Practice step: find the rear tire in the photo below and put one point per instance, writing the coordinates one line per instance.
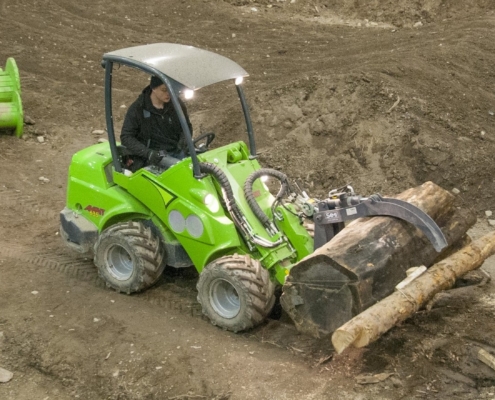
(236, 292)
(129, 257)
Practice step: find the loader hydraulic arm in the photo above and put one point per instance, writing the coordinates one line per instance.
(332, 212)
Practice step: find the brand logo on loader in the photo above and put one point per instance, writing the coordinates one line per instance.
(332, 216)
(95, 211)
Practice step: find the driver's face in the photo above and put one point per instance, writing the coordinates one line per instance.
(162, 93)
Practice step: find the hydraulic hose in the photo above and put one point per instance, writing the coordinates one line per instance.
(231, 205)
(228, 195)
(248, 192)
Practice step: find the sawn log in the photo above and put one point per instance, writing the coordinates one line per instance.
(378, 319)
(363, 263)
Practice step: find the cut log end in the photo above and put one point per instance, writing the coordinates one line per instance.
(342, 339)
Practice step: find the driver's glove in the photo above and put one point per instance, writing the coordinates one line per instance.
(154, 157)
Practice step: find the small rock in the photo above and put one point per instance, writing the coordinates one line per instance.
(483, 133)
(98, 132)
(96, 320)
(5, 375)
(34, 292)
(233, 35)
(28, 120)
(102, 140)
(116, 374)
(42, 179)
(456, 191)
(254, 9)
(123, 106)
(418, 24)
(488, 213)
(40, 139)
(491, 113)
(157, 368)
(491, 222)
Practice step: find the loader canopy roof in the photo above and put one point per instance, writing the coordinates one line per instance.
(192, 67)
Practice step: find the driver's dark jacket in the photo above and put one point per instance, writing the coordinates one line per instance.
(148, 128)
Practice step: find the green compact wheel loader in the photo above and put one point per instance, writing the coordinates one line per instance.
(212, 210)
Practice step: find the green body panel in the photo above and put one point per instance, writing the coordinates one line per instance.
(219, 235)
(175, 201)
(91, 194)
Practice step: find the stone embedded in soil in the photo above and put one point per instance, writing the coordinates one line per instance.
(456, 191)
(28, 120)
(488, 213)
(5, 376)
(40, 139)
(491, 222)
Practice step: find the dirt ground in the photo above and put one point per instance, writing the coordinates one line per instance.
(383, 96)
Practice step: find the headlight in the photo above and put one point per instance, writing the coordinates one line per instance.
(188, 94)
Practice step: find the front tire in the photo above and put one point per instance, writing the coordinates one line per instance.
(129, 257)
(236, 292)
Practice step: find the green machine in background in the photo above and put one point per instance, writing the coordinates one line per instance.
(11, 114)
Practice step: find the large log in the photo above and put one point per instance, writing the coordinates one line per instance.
(364, 262)
(378, 319)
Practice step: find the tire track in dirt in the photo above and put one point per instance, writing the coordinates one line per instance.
(177, 301)
(72, 266)
(26, 203)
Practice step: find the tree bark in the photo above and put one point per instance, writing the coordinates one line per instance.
(378, 319)
(363, 263)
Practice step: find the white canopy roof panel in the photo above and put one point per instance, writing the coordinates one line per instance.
(192, 67)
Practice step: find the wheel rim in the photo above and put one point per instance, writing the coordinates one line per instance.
(119, 263)
(224, 298)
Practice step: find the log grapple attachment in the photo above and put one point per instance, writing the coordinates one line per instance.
(355, 266)
(346, 206)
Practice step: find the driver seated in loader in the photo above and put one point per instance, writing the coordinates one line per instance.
(151, 133)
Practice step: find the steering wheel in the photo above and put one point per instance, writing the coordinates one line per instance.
(202, 142)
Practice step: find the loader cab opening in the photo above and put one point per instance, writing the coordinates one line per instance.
(183, 70)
